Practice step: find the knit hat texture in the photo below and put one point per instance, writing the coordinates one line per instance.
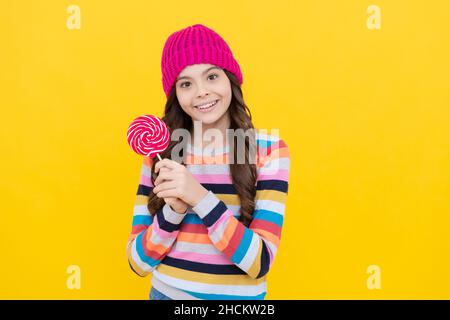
(192, 45)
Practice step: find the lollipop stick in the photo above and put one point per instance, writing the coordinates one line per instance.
(159, 157)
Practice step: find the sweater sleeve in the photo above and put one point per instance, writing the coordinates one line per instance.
(151, 237)
(252, 248)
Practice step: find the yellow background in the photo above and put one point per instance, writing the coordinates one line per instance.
(365, 114)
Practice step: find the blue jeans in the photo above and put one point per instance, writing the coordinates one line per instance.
(157, 295)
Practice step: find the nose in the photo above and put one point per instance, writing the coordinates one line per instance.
(202, 91)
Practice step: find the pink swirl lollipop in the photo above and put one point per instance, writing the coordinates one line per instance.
(148, 136)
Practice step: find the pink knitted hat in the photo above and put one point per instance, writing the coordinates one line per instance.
(192, 45)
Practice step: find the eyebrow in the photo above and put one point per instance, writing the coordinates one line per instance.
(186, 77)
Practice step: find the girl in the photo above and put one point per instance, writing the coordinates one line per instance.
(206, 229)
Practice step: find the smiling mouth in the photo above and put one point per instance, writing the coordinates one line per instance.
(207, 107)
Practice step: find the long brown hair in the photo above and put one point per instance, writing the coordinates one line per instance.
(243, 175)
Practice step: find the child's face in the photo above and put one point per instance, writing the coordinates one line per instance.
(202, 86)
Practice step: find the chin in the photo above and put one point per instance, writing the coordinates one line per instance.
(207, 120)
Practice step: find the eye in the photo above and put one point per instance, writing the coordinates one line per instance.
(213, 74)
(181, 85)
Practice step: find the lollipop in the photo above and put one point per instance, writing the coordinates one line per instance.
(148, 136)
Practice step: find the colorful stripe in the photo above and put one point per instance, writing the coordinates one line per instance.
(208, 253)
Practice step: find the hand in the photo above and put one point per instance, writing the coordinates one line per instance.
(177, 182)
(177, 205)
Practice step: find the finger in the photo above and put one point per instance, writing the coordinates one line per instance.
(169, 200)
(166, 163)
(165, 186)
(168, 193)
(167, 175)
(164, 169)
(172, 200)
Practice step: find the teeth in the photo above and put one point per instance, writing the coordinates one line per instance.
(206, 105)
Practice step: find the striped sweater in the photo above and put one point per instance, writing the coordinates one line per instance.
(207, 253)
